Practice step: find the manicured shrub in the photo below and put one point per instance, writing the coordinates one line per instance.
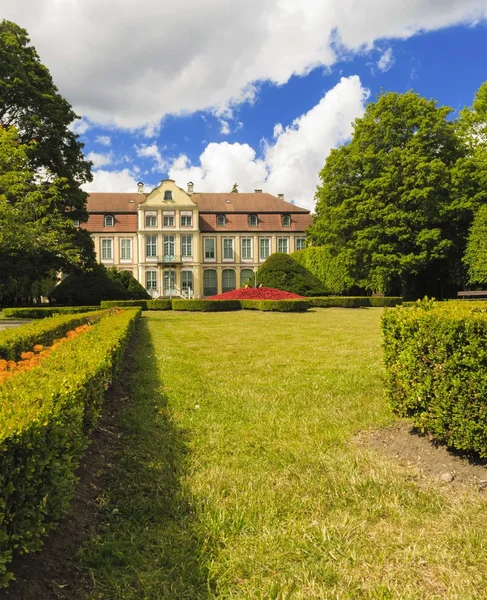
(135, 291)
(385, 300)
(435, 358)
(282, 272)
(259, 293)
(284, 305)
(124, 303)
(159, 305)
(15, 341)
(46, 414)
(340, 302)
(41, 312)
(205, 305)
(330, 269)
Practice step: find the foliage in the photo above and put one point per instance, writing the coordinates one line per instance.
(436, 370)
(282, 272)
(326, 266)
(475, 256)
(384, 209)
(289, 305)
(89, 287)
(235, 188)
(46, 414)
(385, 301)
(42, 312)
(354, 301)
(205, 305)
(14, 341)
(159, 305)
(135, 290)
(124, 303)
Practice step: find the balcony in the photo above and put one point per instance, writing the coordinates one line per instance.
(169, 259)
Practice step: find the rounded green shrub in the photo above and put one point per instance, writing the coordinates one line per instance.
(281, 271)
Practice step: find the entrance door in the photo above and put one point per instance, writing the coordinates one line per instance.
(170, 283)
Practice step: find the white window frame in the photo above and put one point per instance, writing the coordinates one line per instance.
(187, 246)
(105, 219)
(103, 253)
(150, 220)
(279, 242)
(128, 258)
(187, 290)
(242, 280)
(168, 220)
(302, 241)
(224, 271)
(251, 218)
(151, 282)
(184, 216)
(216, 282)
(246, 239)
(205, 258)
(169, 241)
(76, 222)
(227, 258)
(221, 220)
(149, 255)
(288, 220)
(269, 241)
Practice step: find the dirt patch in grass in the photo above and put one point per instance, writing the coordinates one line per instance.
(434, 461)
(53, 573)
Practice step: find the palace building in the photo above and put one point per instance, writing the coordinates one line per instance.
(183, 243)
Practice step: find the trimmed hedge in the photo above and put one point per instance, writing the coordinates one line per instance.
(124, 303)
(38, 312)
(354, 301)
(436, 370)
(15, 341)
(46, 414)
(159, 304)
(276, 305)
(205, 305)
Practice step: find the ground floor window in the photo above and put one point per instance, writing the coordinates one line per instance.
(300, 243)
(107, 249)
(151, 280)
(187, 283)
(245, 275)
(170, 283)
(283, 245)
(209, 282)
(228, 280)
(264, 248)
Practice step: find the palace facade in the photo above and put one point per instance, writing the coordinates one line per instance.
(182, 243)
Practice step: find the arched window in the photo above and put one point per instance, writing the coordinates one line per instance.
(286, 220)
(245, 275)
(228, 280)
(221, 221)
(253, 221)
(209, 282)
(109, 221)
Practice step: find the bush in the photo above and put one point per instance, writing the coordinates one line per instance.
(328, 268)
(159, 305)
(436, 370)
(277, 305)
(284, 273)
(124, 303)
(385, 300)
(38, 312)
(46, 414)
(135, 291)
(205, 305)
(340, 302)
(15, 341)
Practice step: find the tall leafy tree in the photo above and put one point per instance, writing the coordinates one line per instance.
(384, 208)
(476, 253)
(30, 101)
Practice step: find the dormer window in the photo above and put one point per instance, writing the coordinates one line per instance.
(109, 221)
(168, 195)
(221, 221)
(286, 220)
(253, 221)
(76, 222)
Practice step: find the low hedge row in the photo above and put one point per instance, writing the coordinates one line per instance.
(143, 304)
(15, 341)
(436, 370)
(205, 305)
(46, 414)
(354, 301)
(159, 304)
(41, 312)
(276, 305)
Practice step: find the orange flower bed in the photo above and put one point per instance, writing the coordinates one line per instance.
(29, 360)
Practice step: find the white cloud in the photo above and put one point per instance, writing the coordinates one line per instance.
(386, 61)
(104, 140)
(154, 153)
(112, 181)
(99, 159)
(224, 127)
(131, 67)
(290, 164)
(80, 126)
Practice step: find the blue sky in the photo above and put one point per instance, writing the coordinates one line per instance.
(253, 92)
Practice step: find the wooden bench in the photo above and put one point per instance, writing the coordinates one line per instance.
(474, 294)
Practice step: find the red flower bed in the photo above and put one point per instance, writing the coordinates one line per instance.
(262, 293)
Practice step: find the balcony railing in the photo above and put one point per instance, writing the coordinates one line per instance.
(169, 259)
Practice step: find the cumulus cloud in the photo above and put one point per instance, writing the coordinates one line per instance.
(99, 159)
(131, 67)
(291, 162)
(154, 153)
(112, 181)
(386, 61)
(104, 140)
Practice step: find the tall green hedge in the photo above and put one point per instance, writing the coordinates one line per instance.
(46, 414)
(436, 370)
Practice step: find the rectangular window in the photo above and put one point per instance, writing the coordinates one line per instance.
(186, 218)
(170, 283)
(283, 245)
(150, 220)
(151, 280)
(300, 243)
(151, 246)
(106, 249)
(169, 247)
(76, 222)
(209, 248)
(228, 249)
(187, 283)
(264, 248)
(125, 249)
(186, 245)
(168, 221)
(246, 248)
(209, 282)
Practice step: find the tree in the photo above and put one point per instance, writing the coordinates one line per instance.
(476, 253)
(384, 208)
(282, 272)
(30, 101)
(36, 238)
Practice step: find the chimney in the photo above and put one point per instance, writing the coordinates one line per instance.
(280, 196)
(258, 191)
(190, 187)
(140, 187)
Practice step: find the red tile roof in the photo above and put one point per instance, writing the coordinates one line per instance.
(123, 223)
(109, 202)
(258, 202)
(266, 222)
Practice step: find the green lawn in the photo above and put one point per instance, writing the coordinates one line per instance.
(240, 477)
